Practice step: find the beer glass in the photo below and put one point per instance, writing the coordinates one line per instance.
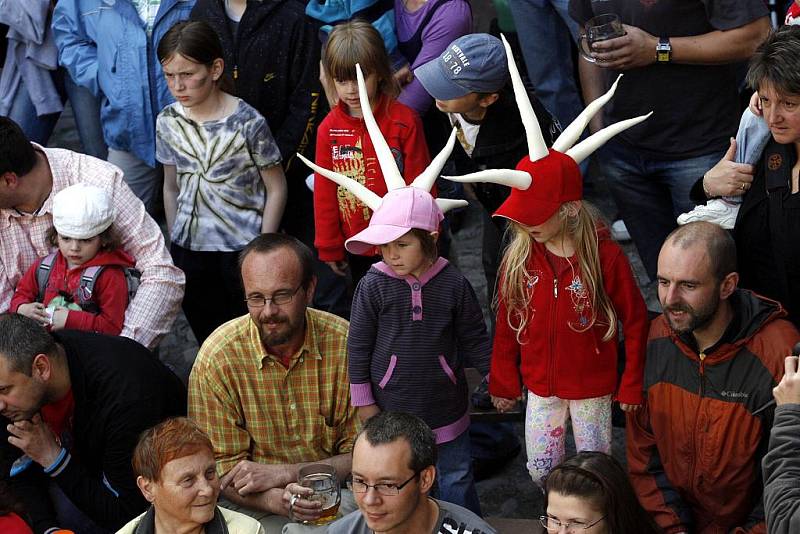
(323, 480)
(599, 28)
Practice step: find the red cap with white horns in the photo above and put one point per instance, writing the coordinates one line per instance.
(555, 170)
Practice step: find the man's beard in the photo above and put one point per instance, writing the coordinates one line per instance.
(276, 337)
(697, 318)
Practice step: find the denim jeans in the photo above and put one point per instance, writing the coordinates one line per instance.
(545, 31)
(651, 193)
(86, 109)
(455, 482)
(143, 179)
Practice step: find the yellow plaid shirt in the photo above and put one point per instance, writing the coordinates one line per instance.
(253, 408)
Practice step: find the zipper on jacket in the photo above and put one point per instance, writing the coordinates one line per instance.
(236, 72)
(695, 438)
(551, 358)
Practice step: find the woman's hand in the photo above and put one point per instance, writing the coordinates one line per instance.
(728, 178)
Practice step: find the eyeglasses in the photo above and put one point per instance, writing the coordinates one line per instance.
(278, 298)
(359, 486)
(552, 524)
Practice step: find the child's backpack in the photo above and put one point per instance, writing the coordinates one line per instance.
(89, 278)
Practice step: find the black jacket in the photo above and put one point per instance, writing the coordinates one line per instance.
(274, 63)
(501, 143)
(120, 389)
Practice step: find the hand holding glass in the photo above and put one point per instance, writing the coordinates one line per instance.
(600, 28)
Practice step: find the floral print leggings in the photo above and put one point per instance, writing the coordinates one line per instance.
(545, 430)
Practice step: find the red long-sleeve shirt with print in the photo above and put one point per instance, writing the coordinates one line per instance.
(344, 146)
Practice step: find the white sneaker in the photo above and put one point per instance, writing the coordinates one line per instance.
(717, 211)
(619, 231)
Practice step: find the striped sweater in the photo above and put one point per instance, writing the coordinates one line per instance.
(409, 342)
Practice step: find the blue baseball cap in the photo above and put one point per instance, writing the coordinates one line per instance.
(474, 63)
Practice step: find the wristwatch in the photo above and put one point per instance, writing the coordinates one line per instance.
(663, 50)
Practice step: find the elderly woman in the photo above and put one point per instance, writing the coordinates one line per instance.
(767, 230)
(176, 472)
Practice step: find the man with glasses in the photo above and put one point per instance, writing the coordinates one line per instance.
(394, 468)
(270, 388)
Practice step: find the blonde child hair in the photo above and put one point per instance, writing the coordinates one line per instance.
(579, 222)
(357, 41)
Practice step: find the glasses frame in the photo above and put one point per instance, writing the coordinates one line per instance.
(397, 487)
(544, 519)
(272, 299)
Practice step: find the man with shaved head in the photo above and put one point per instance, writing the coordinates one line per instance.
(694, 448)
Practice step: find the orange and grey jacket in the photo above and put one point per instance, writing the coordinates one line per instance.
(695, 447)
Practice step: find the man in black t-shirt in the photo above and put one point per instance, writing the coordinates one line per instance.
(678, 58)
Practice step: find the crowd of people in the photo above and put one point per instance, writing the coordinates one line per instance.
(307, 166)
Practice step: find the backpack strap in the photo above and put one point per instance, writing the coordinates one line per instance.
(89, 278)
(43, 271)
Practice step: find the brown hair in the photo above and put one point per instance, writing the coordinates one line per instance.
(601, 480)
(357, 41)
(109, 238)
(169, 440)
(427, 242)
(580, 226)
(197, 41)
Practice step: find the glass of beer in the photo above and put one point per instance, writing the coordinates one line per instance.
(600, 28)
(323, 480)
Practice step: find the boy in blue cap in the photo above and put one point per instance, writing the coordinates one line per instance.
(471, 86)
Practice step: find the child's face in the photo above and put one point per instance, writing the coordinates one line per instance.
(347, 91)
(468, 104)
(405, 256)
(547, 231)
(191, 83)
(78, 251)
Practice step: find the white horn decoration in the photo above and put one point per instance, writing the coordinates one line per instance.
(428, 177)
(584, 149)
(391, 174)
(537, 148)
(446, 204)
(573, 132)
(363, 194)
(509, 177)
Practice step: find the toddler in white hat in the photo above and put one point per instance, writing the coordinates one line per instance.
(84, 284)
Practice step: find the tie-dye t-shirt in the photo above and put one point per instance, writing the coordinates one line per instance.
(220, 192)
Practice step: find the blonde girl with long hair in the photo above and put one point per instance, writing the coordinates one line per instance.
(564, 288)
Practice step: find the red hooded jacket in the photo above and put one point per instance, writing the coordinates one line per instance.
(110, 291)
(557, 360)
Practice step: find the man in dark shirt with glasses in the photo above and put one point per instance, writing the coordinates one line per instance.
(394, 468)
